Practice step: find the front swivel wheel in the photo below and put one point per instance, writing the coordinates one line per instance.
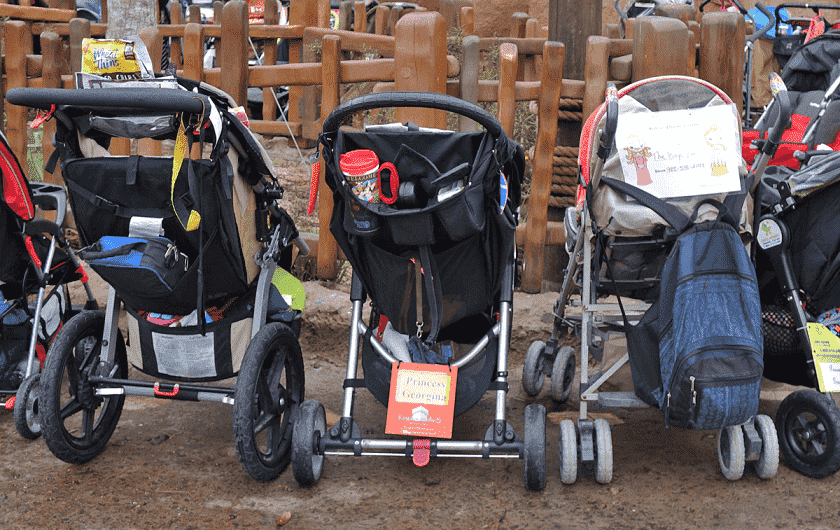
(310, 426)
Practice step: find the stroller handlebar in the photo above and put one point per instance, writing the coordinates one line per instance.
(153, 99)
(413, 99)
(771, 23)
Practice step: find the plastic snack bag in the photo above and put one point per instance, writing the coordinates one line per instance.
(116, 59)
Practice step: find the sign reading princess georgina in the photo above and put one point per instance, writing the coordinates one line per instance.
(422, 400)
(681, 153)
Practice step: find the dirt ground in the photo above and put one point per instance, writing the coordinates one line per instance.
(174, 465)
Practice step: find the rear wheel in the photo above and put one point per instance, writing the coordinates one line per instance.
(767, 464)
(268, 392)
(27, 413)
(568, 452)
(731, 452)
(533, 370)
(534, 450)
(603, 452)
(77, 423)
(310, 426)
(563, 374)
(808, 425)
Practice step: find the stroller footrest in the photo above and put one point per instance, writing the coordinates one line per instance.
(420, 454)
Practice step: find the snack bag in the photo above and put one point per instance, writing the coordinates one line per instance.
(116, 59)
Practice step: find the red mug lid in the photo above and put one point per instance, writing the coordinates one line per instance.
(358, 162)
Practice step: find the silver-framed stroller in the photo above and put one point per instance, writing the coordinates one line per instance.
(195, 251)
(435, 254)
(618, 245)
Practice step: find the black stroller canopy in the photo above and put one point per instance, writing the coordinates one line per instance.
(814, 65)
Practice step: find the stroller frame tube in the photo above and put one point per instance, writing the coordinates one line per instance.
(39, 304)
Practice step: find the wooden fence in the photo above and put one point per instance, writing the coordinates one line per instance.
(408, 52)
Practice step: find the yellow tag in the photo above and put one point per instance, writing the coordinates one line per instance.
(825, 348)
(177, 160)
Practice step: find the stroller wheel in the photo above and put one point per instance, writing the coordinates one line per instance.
(534, 447)
(563, 374)
(731, 452)
(568, 450)
(268, 391)
(603, 452)
(768, 462)
(808, 425)
(27, 415)
(533, 371)
(310, 426)
(77, 423)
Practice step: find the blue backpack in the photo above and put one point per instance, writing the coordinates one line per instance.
(697, 352)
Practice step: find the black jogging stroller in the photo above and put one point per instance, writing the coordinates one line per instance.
(434, 251)
(37, 268)
(798, 268)
(190, 249)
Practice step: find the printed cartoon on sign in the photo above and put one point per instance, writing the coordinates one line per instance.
(637, 154)
(714, 139)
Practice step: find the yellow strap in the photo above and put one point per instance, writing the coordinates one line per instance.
(177, 161)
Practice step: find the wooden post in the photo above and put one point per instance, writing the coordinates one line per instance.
(79, 30)
(532, 63)
(175, 53)
(303, 13)
(17, 31)
(330, 79)
(359, 16)
(508, 67)
(551, 85)
(660, 47)
(394, 17)
(722, 41)
(234, 63)
(345, 10)
(269, 46)
(469, 78)
(194, 51)
(154, 43)
(194, 15)
(381, 20)
(596, 74)
(51, 74)
(420, 63)
(468, 20)
(572, 22)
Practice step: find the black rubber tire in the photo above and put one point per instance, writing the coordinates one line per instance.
(731, 452)
(310, 426)
(563, 374)
(27, 413)
(268, 392)
(808, 424)
(533, 369)
(534, 448)
(77, 425)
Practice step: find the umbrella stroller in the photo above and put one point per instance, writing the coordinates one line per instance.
(618, 246)
(797, 267)
(36, 268)
(430, 236)
(190, 249)
(812, 78)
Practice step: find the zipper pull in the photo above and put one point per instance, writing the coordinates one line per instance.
(693, 392)
(667, 409)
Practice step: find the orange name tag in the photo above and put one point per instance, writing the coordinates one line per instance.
(422, 400)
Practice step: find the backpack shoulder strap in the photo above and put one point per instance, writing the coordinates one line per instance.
(673, 216)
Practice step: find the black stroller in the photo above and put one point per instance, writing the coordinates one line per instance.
(798, 268)
(37, 261)
(434, 250)
(191, 248)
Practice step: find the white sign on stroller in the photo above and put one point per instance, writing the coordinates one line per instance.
(680, 153)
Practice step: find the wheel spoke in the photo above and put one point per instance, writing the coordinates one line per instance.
(88, 417)
(70, 408)
(265, 420)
